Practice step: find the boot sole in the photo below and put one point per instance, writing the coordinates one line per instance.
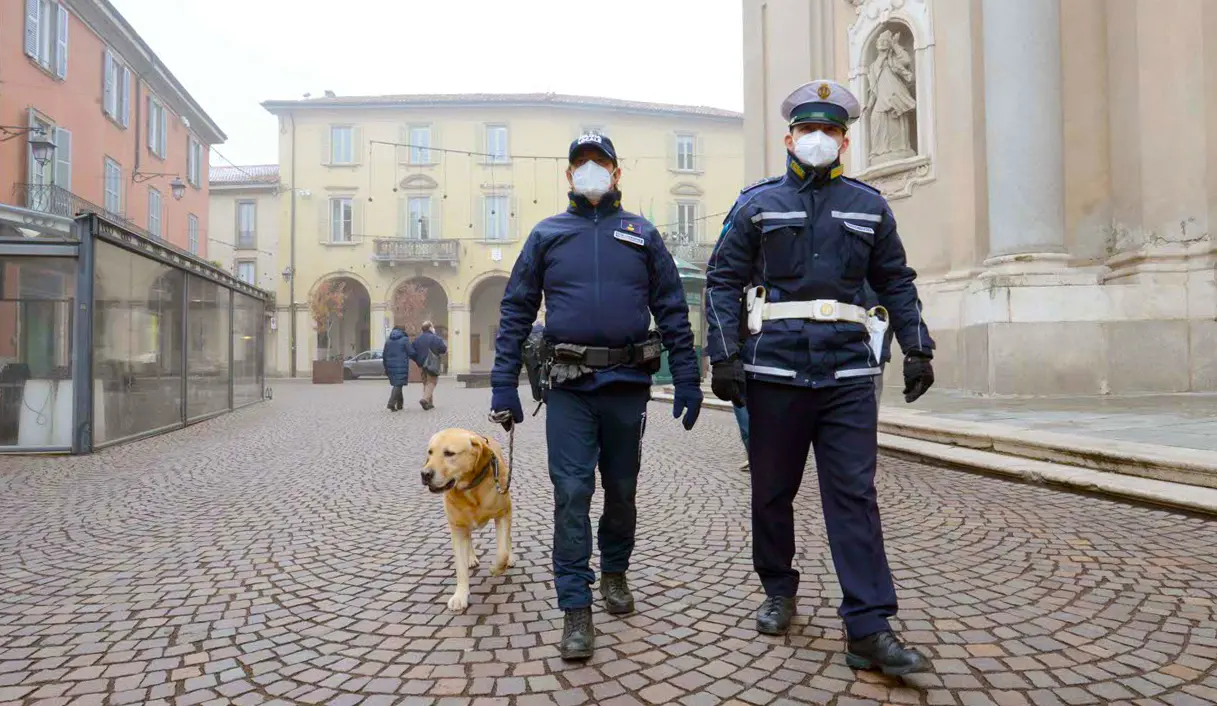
(772, 631)
(576, 655)
(855, 662)
(618, 609)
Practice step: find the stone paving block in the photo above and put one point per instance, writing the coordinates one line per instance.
(324, 579)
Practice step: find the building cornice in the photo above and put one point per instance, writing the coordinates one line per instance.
(106, 22)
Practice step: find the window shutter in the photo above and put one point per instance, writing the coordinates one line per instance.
(163, 147)
(700, 223)
(480, 144)
(124, 97)
(672, 164)
(324, 217)
(403, 136)
(31, 28)
(435, 143)
(326, 149)
(356, 217)
(403, 216)
(61, 42)
(151, 127)
(673, 222)
(479, 218)
(109, 90)
(356, 145)
(63, 159)
(434, 228)
(699, 153)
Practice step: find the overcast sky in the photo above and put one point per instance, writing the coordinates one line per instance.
(233, 54)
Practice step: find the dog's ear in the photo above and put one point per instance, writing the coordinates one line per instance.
(484, 453)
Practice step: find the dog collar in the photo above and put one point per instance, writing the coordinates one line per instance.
(481, 476)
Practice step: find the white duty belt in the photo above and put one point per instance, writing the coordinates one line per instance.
(760, 311)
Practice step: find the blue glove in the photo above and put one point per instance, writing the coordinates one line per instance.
(507, 399)
(687, 400)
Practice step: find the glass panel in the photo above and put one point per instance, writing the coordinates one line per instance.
(246, 350)
(37, 298)
(138, 359)
(207, 355)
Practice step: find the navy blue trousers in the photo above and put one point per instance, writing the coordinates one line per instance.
(604, 428)
(841, 425)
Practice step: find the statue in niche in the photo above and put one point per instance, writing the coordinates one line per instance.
(890, 103)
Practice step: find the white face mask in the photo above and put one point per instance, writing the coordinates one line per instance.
(816, 149)
(592, 180)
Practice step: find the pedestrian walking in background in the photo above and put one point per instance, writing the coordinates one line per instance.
(428, 347)
(397, 355)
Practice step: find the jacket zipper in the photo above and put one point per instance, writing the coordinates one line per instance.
(596, 256)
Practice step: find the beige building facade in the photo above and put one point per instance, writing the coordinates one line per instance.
(1052, 166)
(243, 218)
(441, 191)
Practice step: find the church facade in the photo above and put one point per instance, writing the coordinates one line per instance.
(1052, 166)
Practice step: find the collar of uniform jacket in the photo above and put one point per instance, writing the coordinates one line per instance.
(580, 206)
(804, 175)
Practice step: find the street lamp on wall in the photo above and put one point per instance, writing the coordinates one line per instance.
(42, 148)
(176, 187)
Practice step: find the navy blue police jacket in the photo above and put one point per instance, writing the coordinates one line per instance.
(810, 235)
(603, 272)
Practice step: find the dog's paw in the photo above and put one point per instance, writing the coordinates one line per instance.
(458, 602)
(500, 566)
(473, 561)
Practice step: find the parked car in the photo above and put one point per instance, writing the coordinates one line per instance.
(368, 363)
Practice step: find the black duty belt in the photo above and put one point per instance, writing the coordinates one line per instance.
(605, 357)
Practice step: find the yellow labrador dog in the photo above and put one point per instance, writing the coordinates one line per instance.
(468, 469)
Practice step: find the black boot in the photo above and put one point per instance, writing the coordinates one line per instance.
(883, 651)
(774, 616)
(616, 593)
(578, 635)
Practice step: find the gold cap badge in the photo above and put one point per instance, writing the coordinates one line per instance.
(823, 91)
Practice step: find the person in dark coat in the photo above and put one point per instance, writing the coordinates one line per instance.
(428, 342)
(397, 356)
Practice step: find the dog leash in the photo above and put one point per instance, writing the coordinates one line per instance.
(504, 418)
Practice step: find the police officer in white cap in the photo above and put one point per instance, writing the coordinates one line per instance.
(792, 261)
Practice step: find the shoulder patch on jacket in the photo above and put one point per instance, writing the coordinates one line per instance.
(863, 184)
(761, 182)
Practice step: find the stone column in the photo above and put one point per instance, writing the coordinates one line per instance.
(380, 325)
(1024, 136)
(458, 339)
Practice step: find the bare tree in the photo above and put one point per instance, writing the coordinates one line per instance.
(327, 306)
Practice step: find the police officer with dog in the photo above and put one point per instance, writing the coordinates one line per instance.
(791, 262)
(603, 272)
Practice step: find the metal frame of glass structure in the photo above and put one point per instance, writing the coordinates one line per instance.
(109, 336)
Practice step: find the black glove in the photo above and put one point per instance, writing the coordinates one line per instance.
(728, 381)
(918, 375)
(505, 407)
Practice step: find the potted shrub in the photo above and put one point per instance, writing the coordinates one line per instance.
(326, 306)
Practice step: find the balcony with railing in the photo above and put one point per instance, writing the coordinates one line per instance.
(395, 251)
(58, 201)
(696, 253)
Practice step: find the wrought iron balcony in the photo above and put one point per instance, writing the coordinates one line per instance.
(393, 251)
(696, 253)
(58, 201)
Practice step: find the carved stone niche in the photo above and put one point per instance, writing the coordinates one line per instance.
(891, 54)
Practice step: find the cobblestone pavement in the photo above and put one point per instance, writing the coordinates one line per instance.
(288, 554)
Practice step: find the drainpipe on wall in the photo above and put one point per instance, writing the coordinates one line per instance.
(292, 247)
